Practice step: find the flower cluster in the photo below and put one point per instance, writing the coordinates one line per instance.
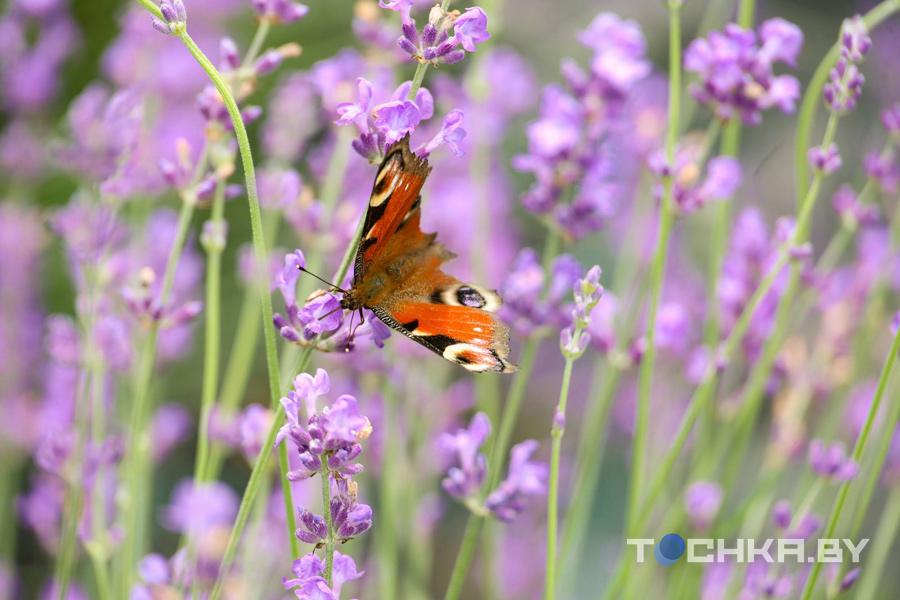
(309, 583)
(468, 469)
(569, 149)
(527, 305)
(831, 461)
(320, 320)
(436, 45)
(331, 437)
(381, 124)
(735, 67)
(327, 442)
(845, 80)
(690, 193)
(573, 340)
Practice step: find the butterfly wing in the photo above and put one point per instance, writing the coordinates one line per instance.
(470, 336)
(398, 275)
(395, 198)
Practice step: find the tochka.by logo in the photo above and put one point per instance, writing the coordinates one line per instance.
(671, 547)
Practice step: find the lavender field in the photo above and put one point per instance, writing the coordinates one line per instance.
(390, 299)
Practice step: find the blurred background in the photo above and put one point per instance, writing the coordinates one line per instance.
(101, 41)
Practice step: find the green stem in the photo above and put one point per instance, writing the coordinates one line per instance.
(858, 449)
(657, 270)
(504, 434)
(259, 247)
(588, 461)
(212, 333)
(556, 435)
(137, 453)
(874, 474)
(329, 524)
(887, 529)
(242, 355)
(262, 31)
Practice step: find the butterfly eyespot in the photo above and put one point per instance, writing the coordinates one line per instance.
(469, 296)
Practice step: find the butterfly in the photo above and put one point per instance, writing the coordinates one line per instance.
(397, 275)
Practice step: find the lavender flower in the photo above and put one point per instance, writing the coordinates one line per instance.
(436, 45)
(845, 81)
(851, 210)
(349, 517)
(198, 510)
(174, 19)
(832, 461)
(313, 529)
(884, 170)
(723, 177)
(524, 307)
(332, 435)
(578, 176)
(890, 118)
(801, 527)
(827, 160)
(525, 478)
(280, 11)
(469, 465)
(309, 582)
(736, 70)
(381, 124)
(702, 501)
(588, 291)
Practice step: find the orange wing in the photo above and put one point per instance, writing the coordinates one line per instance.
(469, 336)
(394, 201)
(398, 276)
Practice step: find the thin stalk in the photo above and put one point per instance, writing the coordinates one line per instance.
(256, 478)
(259, 246)
(65, 561)
(136, 454)
(588, 460)
(887, 529)
(242, 355)
(259, 38)
(329, 523)
(212, 334)
(858, 449)
(874, 474)
(657, 270)
(556, 435)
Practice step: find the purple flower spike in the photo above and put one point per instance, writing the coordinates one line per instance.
(525, 478)
(313, 528)
(469, 465)
(280, 11)
(782, 514)
(890, 118)
(349, 517)
(451, 135)
(174, 17)
(702, 501)
(832, 461)
(470, 28)
(855, 40)
(827, 160)
(397, 118)
(736, 74)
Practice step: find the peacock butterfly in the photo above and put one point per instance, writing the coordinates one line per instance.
(397, 275)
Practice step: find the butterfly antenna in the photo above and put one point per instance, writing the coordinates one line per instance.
(338, 288)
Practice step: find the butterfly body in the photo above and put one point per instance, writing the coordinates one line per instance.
(398, 276)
